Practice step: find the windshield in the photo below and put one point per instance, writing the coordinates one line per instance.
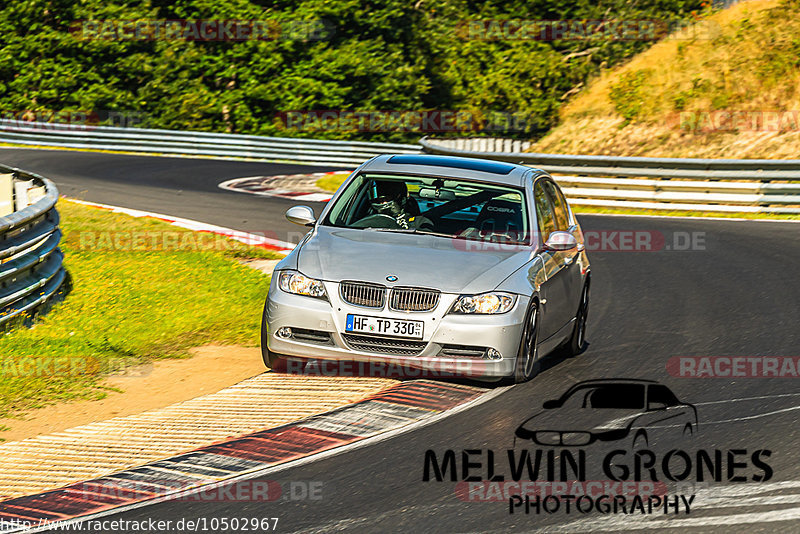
(444, 207)
(607, 396)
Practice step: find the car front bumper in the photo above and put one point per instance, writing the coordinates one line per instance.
(500, 332)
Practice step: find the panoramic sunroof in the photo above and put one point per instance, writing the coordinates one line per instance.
(493, 167)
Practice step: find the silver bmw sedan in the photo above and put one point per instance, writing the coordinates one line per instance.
(434, 263)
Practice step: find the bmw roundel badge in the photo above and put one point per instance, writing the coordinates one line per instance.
(391, 278)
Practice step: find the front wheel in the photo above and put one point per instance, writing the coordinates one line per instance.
(640, 440)
(527, 365)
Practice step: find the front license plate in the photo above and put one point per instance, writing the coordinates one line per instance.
(384, 327)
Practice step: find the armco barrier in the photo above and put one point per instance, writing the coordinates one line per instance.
(713, 185)
(721, 185)
(30, 261)
(296, 150)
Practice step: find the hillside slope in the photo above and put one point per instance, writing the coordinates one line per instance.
(732, 92)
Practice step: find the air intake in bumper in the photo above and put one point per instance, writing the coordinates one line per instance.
(462, 351)
(383, 345)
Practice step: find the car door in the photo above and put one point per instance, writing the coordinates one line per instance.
(553, 290)
(664, 416)
(573, 279)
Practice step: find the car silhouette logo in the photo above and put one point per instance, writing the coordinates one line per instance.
(391, 278)
(610, 410)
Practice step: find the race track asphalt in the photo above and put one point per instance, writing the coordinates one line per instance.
(735, 294)
(182, 187)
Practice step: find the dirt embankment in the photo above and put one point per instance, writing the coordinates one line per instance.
(729, 87)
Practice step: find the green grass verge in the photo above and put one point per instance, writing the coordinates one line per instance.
(331, 182)
(131, 301)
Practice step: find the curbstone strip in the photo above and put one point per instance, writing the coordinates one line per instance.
(390, 409)
(291, 186)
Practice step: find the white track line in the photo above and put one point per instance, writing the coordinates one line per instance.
(761, 397)
(625, 524)
(707, 499)
(197, 226)
(750, 417)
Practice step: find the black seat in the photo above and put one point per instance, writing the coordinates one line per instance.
(501, 218)
(412, 206)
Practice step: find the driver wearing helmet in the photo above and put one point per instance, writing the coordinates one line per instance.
(391, 198)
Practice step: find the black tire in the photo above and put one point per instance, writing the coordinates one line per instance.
(577, 341)
(640, 439)
(527, 364)
(273, 360)
(688, 431)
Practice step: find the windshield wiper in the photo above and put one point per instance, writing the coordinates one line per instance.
(395, 230)
(414, 231)
(436, 234)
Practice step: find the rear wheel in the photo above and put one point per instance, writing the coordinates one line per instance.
(688, 431)
(577, 342)
(527, 365)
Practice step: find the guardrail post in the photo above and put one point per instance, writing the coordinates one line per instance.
(31, 270)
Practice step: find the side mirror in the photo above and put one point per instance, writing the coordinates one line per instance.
(549, 405)
(560, 240)
(302, 215)
(657, 406)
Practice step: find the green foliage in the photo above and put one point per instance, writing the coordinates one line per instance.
(699, 88)
(627, 94)
(380, 55)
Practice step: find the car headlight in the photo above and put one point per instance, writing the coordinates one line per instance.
(485, 303)
(299, 284)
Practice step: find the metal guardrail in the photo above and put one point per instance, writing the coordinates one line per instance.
(721, 185)
(483, 144)
(31, 272)
(715, 185)
(309, 151)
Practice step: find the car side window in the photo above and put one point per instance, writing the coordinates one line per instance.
(560, 210)
(661, 395)
(617, 396)
(544, 210)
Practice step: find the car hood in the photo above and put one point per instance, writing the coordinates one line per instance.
(581, 419)
(450, 265)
